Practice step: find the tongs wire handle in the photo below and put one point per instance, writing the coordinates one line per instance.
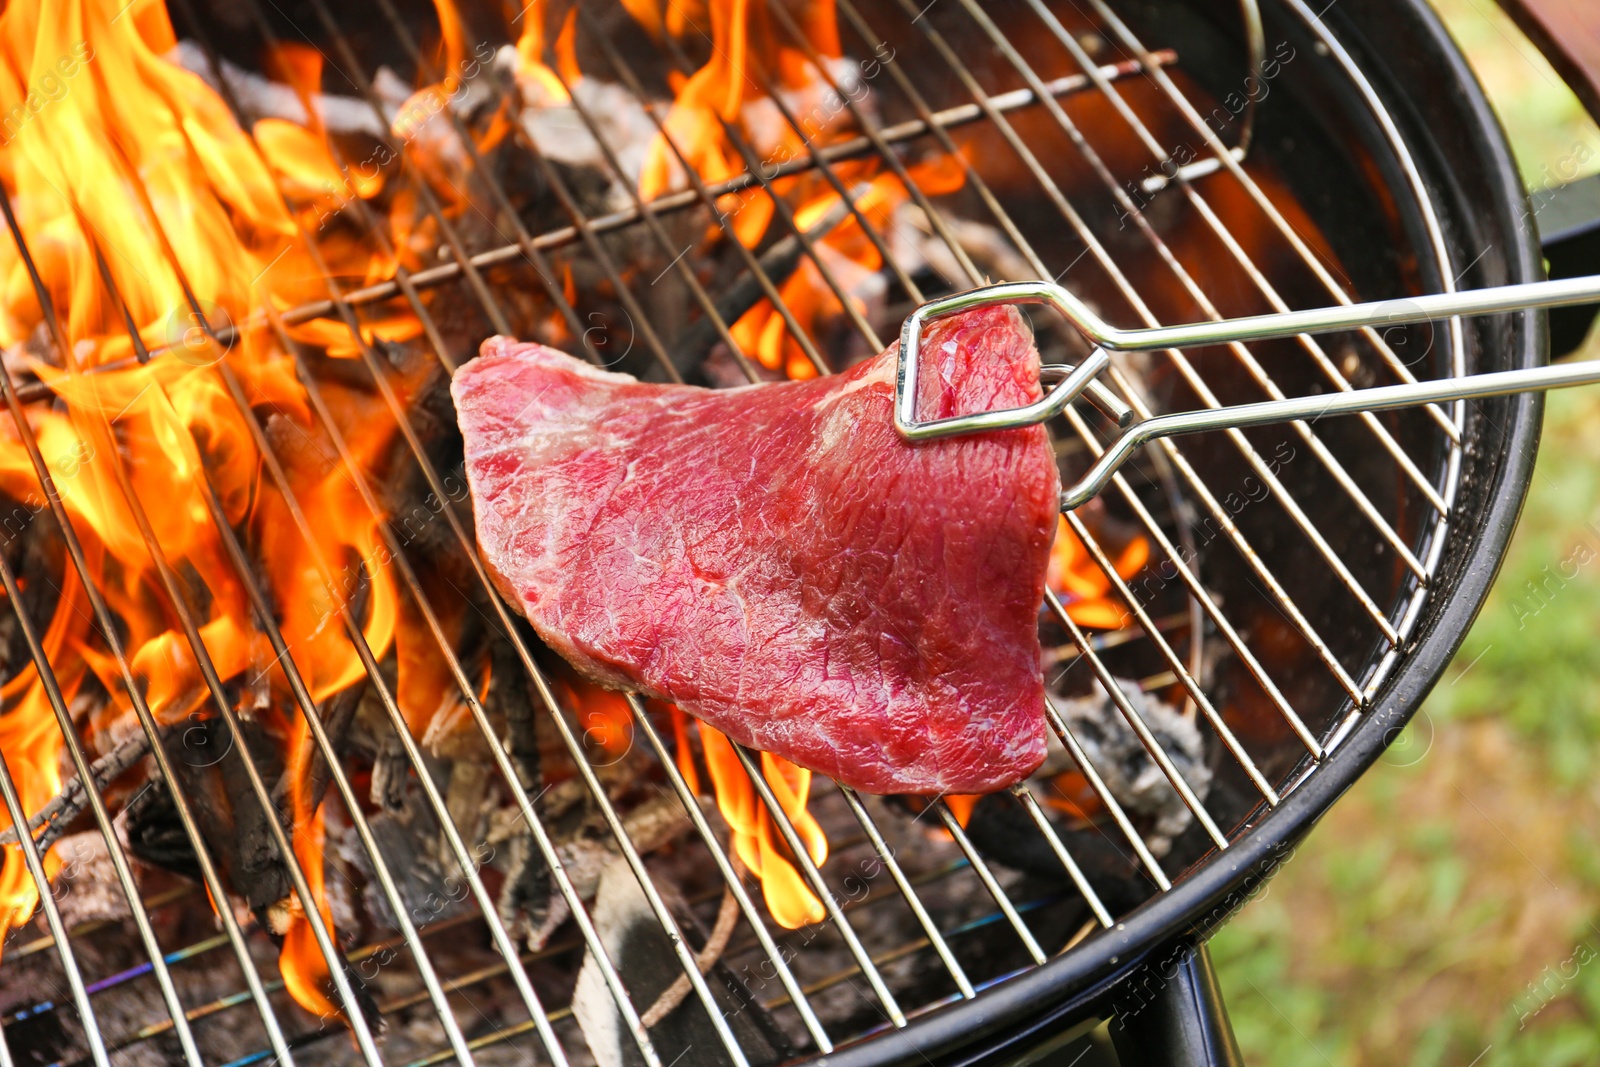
(1255, 328)
(1311, 408)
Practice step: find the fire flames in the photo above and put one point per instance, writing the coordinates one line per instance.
(1083, 587)
(150, 212)
(728, 97)
(145, 203)
(755, 838)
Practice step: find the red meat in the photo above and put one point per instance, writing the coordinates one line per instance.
(776, 559)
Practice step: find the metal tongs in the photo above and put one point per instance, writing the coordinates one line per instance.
(1082, 380)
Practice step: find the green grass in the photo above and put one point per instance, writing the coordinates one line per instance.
(1532, 658)
(1447, 911)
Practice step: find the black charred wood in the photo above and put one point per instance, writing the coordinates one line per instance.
(526, 894)
(337, 712)
(205, 757)
(68, 804)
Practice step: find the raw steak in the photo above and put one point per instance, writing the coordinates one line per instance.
(776, 559)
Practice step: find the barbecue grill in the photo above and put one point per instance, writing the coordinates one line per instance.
(1305, 580)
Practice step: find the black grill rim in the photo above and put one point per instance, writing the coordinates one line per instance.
(1446, 118)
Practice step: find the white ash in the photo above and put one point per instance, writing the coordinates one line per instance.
(1132, 777)
(649, 826)
(638, 946)
(821, 112)
(915, 243)
(86, 887)
(260, 97)
(559, 130)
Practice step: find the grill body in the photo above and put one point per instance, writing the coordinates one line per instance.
(1370, 203)
(1467, 166)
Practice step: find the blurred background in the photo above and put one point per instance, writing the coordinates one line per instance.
(1447, 911)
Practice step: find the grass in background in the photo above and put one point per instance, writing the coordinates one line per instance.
(1447, 911)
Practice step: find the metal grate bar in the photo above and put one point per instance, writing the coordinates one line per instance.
(914, 902)
(813, 876)
(1109, 683)
(1129, 291)
(751, 263)
(1048, 831)
(755, 165)
(679, 260)
(35, 861)
(1450, 426)
(1058, 726)
(147, 721)
(991, 884)
(731, 878)
(1190, 685)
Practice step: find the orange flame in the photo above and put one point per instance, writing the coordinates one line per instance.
(530, 53)
(755, 839)
(680, 744)
(605, 718)
(299, 155)
(1074, 795)
(850, 255)
(141, 164)
(743, 46)
(961, 805)
(1084, 589)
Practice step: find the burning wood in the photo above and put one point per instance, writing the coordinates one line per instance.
(176, 206)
